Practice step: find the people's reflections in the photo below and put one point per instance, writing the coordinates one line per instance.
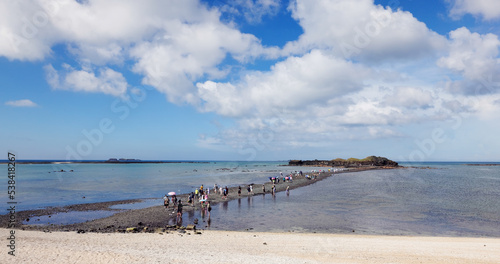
(190, 215)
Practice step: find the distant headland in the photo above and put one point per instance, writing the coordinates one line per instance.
(112, 160)
(483, 164)
(371, 161)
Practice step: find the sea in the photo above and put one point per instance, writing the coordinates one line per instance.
(424, 199)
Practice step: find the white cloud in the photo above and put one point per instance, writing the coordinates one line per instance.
(21, 103)
(410, 97)
(359, 29)
(107, 81)
(369, 112)
(32, 27)
(475, 58)
(311, 79)
(100, 55)
(171, 43)
(185, 53)
(323, 87)
(487, 107)
(488, 9)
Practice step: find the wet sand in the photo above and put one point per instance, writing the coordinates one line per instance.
(244, 247)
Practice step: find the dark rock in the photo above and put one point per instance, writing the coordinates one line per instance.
(351, 162)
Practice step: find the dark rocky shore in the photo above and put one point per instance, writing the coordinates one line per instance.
(150, 218)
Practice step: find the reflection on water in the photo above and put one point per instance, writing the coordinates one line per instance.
(67, 218)
(445, 202)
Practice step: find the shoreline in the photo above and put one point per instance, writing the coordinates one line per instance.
(481, 164)
(100, 162)
(246, 247)
(150, 217)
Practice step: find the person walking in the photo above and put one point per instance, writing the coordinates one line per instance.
(191, 199)
(209, 209)
(165, 201)
(174, 200)
(179, 212)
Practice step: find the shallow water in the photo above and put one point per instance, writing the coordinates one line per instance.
(43, 185)
(450, 201)
(67, 218)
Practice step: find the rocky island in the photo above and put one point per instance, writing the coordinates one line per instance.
(371, 161)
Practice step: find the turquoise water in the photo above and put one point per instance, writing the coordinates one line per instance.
(450, 199)
(43, 185)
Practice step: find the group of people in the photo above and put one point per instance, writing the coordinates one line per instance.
(202, 194)
(249, 189)
(222, 191)
(166, 200)
(176, 203)
(205, 204)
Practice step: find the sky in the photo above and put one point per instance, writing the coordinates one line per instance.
(250, 79)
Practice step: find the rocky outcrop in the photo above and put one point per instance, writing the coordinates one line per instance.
(351, 162)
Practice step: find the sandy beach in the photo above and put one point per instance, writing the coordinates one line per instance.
(244, 247)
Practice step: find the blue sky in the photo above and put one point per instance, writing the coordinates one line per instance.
(250, 79)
